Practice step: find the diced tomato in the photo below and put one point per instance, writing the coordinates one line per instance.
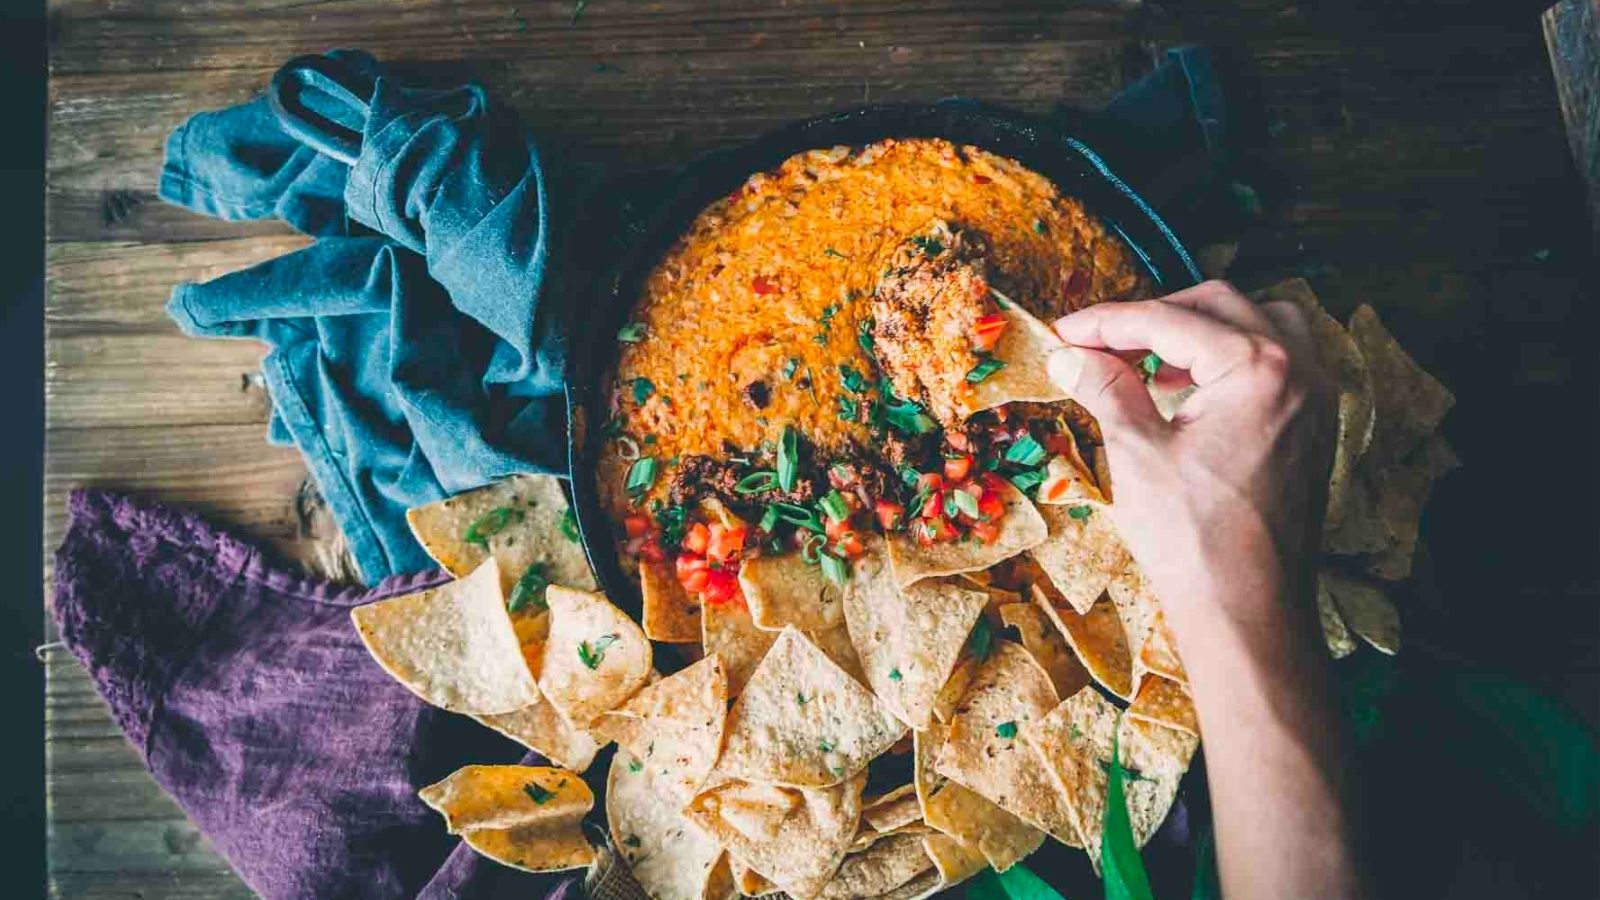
(849, 545)
(763, 285)
(986, 331)
(934, 505)
(986, 531)
(991, 509)
(889, 514)
(696, 582)
(930, 481)
(722, 586)
(651, 552)
(958, 468)
(992, 483)
(726, 542)
(696, 538)
(981, 179)
(940, 530)
(636, 525)
(688, 563)
(833, 528)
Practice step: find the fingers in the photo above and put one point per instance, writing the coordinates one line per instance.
(1183, 337)
(1221, 300)
(1289, 323)
(1110, 389)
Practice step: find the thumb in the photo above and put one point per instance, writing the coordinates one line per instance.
(1107, 386)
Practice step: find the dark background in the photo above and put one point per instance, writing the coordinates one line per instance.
(22, 107)
(1511, 581)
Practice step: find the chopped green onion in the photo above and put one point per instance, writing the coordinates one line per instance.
(811, 547)
(537, 793)
(849, 409)
(834, 507)
(569, 526)
(836, 569)
(627, 448)
(1007, 730)
(966, 504)
(894, 675)
(852, 380)
(951, 508)
(789, 367)
(908, 417)
(631, 333)
(1027, 481)
(769, 520)
(917, 503)
(1149, 366)
(986, 366)
(864, 336)
(641, 475)
(1026, 452)
(795, 514)
(910, 476)
(673, 522)
(529, 589)
(757, 483)
(826, 746)
(642, 389)
(490, 524)
(788, 458)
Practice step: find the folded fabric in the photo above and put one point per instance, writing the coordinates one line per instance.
(416, 348)
(419, 346)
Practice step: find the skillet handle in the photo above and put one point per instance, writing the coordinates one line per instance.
(322, 103)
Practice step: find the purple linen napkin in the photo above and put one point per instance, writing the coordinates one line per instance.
(255, 706)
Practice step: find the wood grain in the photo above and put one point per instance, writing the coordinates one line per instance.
(1407, 166)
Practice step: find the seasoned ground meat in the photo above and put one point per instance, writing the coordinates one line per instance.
(700, 477)
(924, 311)
(864, 473)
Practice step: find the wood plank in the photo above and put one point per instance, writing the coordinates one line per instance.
(188, 885)
(1572, 34)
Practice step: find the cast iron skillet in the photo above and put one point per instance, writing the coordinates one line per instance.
(1049, 147)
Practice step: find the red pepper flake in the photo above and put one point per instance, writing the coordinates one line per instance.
(981, 179)
(763, 285)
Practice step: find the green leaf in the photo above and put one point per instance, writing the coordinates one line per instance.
(757, 483)
(1080, 513)
(853, 380)
(931, 246)
(529, 589)
(569, 526)
(1026, 451)
(834, 506)
(788, 458)
(836, 569)
(1016, 883)
(1007, 730)
(537, 792)
(631, 333)
(790, 367)
(986, 366)
(593, 656)
(1120, 863)
(641, 475)
(489, 524)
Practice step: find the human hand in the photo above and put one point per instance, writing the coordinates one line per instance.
(1223, 504)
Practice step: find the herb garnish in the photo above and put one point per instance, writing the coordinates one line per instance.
(631, 333)
(981, 640)
(569, 526)
(1039, 227)
(966, 504)
(796, 514)
(529, 589)
(788, 458)
(756, 483)
(642, 389)
(537, 793)
(1080, 513)
(833, 506)
(849, 409)
(836, 569)
(853, 380)
(826, 320)
(1149, 366)
(829, 251)
(930, 246)
(592, 657)
(490, 524)
(1026, 451)
(800, 698)
(987, 365)
(769, 520)
(1028, 480)
(864, 335)
(789, 368)
(894, 675)
(673, 522)
(635, 765)
(903, 415)
(631, 840)
(826, 746)
(1007, 730)
(641, 475)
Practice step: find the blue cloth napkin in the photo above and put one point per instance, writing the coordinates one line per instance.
(418, 347)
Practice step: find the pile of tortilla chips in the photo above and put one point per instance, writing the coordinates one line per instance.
(947, 710)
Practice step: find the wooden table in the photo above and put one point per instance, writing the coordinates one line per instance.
(1412, 158)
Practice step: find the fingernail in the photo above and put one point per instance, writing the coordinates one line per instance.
(1063, 367)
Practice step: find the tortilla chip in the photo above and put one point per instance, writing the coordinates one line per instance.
(671, 614)
(670, 857)
(1366, 609)
(802, 721)
(727, 631)
(1160, 653)
(1021, 528)
(536, 531)
(1097, 638)
(955, 687)
(1024, 346)
(1082, 553)
(796, 838)
(1409, 402)
(893, 810)
(1165, 702)
(720, 885)
(1073, 744)
(674, 726)
(541, 729)
(1047, 646)
(1361, 529)
(532, 848)
(1403, 491)
(1341, 359)
(453, 646)
(475, 797)
(836, 643)
(596, 656)
(786, 590)
(886, 865)
(998, 836)
(1068, 482)
(748, 881)
(908, 639)
(1136, 604)
(1335, 633)
(1154, 759)
(954, 861)
(983, 750)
